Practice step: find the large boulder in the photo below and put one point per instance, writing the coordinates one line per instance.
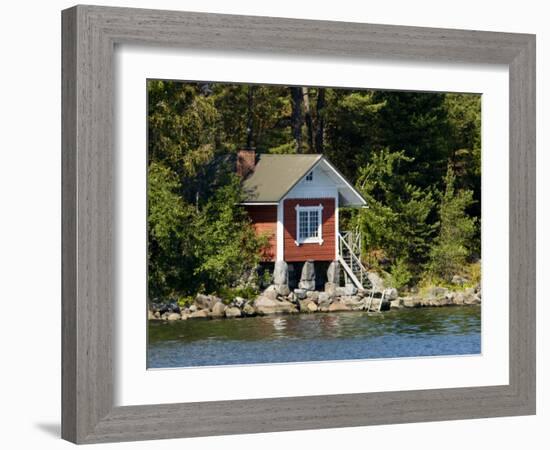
(324, 299)
(248, 310)
(340, 290)
(437, 291)
(271, 292)
(282, 289)
(411, 302)
(201, 314)
(313, 295)
(206, 301)
(265, 305)
(174, 316)
(397, 303)
(353, 302)
(350, 289)
(391, 294)
(304, 304)
(280, 273)
(312, 307)
(218, 310)
(436, 301)
(174, 307)
(330, 289)
(333, 273)
(459, 298)
(377, 281)
(232, 311)
(338, 306)
(378, 305)
(162, 308)
(307, 279)
(472, 299)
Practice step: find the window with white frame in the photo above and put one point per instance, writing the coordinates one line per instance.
(309, 176)
(309, 222)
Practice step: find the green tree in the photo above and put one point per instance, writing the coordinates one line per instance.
(350, 128)
(170, 244)
(464, 114)
(226, 246)
(396, 225)
(418, 124)
(194, 223)
(182, 122)
(456, 230)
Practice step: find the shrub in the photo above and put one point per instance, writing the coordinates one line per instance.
(400, 274)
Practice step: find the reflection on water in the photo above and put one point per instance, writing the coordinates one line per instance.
(315, 337)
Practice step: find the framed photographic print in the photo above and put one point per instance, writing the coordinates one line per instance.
(295, 224)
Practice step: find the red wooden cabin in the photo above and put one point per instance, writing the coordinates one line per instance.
(295, 200)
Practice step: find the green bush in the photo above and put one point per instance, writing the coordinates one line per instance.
(400, 275)
(227, 294)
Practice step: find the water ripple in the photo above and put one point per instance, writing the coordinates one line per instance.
(315, 337)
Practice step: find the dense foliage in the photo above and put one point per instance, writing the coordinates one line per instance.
(414, 156)
(454, 242)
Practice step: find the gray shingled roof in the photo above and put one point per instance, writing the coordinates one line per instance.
(275, 175)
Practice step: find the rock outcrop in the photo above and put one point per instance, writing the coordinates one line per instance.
(334, 299)
(265, 305)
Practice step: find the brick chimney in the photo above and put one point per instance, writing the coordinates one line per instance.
(246, 162)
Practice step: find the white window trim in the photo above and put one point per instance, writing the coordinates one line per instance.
(310, 240)
(307, 177)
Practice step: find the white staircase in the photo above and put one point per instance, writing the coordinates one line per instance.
(349, 256)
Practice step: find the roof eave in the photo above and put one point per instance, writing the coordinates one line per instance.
(362, 202)
(259, 203)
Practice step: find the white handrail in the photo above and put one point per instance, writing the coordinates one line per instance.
(353, 257)
(349, 272)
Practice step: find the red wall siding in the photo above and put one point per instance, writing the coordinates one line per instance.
(324, 252)
(264, 219)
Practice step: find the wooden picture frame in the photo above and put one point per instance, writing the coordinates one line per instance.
(90, 34)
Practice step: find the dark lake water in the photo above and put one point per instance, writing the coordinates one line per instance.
(315, 337)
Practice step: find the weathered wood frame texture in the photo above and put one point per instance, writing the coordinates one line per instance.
(89, 36)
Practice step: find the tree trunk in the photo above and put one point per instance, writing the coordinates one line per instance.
(308, 120)
(250, 118)
(320, 129)
(297, 118)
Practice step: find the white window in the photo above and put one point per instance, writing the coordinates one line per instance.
(309, 176)
(309, 224)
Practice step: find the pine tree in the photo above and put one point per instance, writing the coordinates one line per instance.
(396, 225)
(456, 231)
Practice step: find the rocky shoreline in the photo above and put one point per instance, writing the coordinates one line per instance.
(280, 300)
